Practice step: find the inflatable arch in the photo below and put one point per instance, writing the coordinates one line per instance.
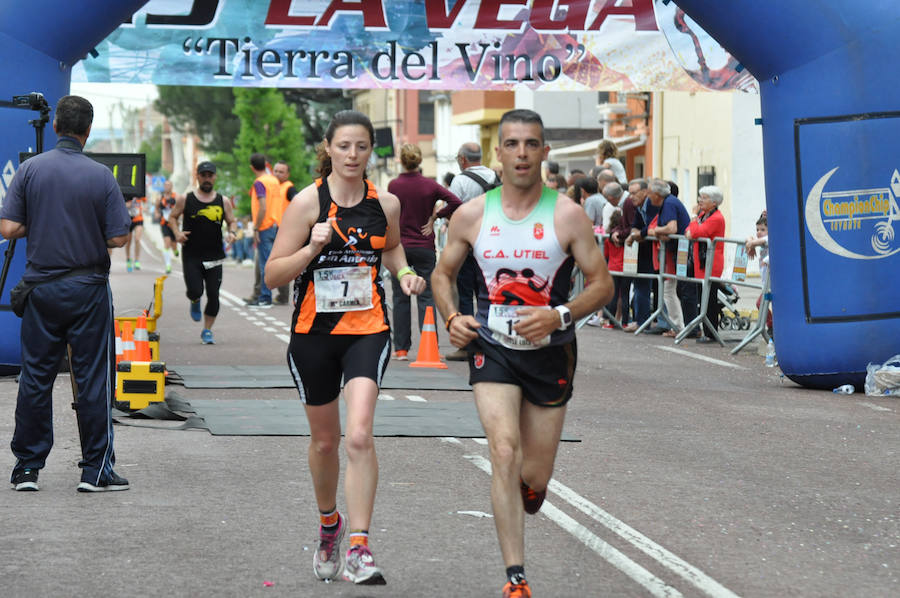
(831, 134)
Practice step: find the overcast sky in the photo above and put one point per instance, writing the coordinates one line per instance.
(105, 96)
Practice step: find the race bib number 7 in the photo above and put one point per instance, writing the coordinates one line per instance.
(502, 320)
(343, 289)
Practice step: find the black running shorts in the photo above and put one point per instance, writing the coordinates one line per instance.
(544, 375)
(319, 361)
(167, 231)
(134, 225)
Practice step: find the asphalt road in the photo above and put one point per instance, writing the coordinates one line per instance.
(698, 474)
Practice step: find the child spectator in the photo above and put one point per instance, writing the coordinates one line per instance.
(762, 241)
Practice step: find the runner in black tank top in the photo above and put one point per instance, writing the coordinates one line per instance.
(333, 237)
(203, 253)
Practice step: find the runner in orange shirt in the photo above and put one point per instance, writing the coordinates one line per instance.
(334, 237)
(135, 207)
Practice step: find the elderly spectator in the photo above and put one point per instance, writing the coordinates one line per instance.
(619, 235)
(612, 192)
(643, 214)
(672, 219)
(605, 177)
(688, 290)
(606, 157)
(709, 223)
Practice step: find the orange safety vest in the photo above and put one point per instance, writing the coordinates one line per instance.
(284, 199)
(274, 201)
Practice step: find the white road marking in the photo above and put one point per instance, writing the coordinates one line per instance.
(614, 557)
(700, 357)
(451, 440)
(482, 441)
(384, 397)
(666, 558)
(283, 337)
(268, 329)
(416, 398)
(231, 296)
(258, 323)
(475, 514)
(875, 407)
(250, 318)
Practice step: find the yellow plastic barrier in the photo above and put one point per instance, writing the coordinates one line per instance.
(139, 383)
(154, 312)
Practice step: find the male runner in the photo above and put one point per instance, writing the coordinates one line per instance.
(164, 208)
(526, 240)
(135, 207)
(203, 253)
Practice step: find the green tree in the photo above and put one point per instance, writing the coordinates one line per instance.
(206, 111)
(316, 107)
(269, 126)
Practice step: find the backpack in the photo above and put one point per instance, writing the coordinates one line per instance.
(481, 182)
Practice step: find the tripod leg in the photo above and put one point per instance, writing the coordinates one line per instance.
(72, 376)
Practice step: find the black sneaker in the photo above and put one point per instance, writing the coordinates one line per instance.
(112, 483)
(25, 479)
(261, 303)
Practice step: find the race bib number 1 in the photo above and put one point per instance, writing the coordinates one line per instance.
(502, 319)
(343, 289)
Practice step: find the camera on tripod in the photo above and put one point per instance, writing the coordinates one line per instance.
(33, 100)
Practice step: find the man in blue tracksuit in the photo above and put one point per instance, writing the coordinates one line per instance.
(71, 210)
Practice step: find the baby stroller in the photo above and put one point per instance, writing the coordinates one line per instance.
(731, 318)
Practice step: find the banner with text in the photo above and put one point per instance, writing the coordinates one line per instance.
(612, 45)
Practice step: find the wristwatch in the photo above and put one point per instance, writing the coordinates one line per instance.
(565, 317)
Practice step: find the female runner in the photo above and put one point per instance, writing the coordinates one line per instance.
(333, 238)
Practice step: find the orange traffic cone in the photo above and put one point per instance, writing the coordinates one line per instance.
(141, 340)
(428, 356)
(128, 349)
(118, 343)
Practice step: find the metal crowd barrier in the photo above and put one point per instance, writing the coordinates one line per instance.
(706, 291)
(706, 288)
(659, 312)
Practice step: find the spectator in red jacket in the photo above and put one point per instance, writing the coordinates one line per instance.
(708, 223)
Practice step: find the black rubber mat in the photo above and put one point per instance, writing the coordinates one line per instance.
(286, 417)
(278, 376)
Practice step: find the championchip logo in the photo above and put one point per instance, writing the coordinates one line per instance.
(856, 224)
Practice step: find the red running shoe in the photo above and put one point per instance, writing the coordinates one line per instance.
(532, 500)
(519, 590)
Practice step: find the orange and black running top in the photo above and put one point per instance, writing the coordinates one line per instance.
(340, 292)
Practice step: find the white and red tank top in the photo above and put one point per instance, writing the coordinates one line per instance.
(521, 263)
